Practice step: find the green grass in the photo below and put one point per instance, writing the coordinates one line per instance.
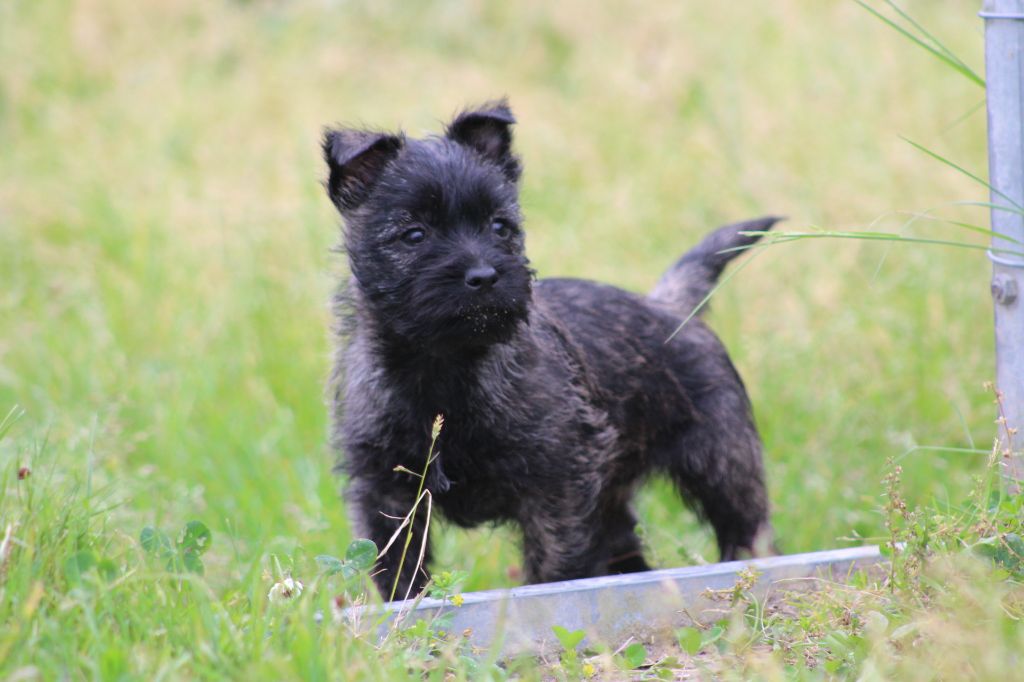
(165, 268)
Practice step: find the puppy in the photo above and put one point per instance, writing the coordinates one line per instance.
(559, 396)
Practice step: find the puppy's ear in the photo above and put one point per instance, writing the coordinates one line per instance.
(356, 159)
(488, 131)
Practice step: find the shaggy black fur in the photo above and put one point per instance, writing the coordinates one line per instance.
(559, 396)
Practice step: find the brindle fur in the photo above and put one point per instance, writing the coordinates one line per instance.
(559, 396)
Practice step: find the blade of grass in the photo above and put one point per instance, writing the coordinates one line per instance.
(961, 169)
(963, 423)
(982, 230)
(914, 217)
(13, 415)
(990, 205)
(940, 448)
(927, 215)
(962, 117)
(783, 237)
(935, 41)
(423, 545)
(953, 63)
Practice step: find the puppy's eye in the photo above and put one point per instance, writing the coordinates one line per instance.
(414, 235)
(502, 228)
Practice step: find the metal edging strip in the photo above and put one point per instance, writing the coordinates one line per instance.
(612, 608)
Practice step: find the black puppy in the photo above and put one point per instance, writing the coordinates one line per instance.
(559, 396)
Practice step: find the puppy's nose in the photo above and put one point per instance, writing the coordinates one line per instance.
(481, 277)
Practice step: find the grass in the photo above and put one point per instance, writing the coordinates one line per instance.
(165, 268)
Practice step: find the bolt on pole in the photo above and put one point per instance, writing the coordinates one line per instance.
(1004, 75)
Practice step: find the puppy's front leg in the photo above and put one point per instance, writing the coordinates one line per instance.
(377, 512)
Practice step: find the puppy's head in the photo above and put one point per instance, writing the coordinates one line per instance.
(433, 229)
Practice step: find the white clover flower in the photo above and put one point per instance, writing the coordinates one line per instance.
(284, 590)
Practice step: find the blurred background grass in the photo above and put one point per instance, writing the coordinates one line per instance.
(165, 258)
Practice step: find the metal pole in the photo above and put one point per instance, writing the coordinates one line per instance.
(1004, 75)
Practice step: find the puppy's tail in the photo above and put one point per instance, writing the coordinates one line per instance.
(693, 276)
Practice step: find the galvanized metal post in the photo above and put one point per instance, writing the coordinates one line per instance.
(1004, 69)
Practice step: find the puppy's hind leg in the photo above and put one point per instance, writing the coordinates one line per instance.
(716, 465)
(624, 547)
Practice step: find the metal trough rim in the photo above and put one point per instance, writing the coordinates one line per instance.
(765, 565)
(612, 608)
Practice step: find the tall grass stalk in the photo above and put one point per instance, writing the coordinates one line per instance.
(410, 518)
